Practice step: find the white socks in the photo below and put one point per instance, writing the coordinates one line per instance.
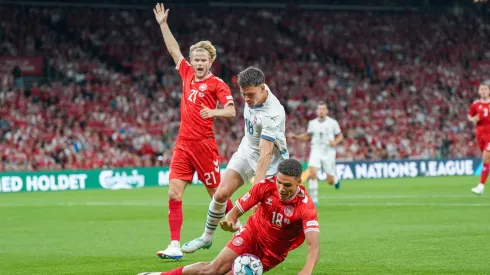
(313, 187)
(216, 212)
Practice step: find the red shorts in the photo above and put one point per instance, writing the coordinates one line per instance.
(196, 155)
(246, 241)
(484, 143)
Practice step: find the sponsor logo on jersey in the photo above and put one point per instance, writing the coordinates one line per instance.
(312, 223)
(288, 210)
(287, 221)
(245, 197)
(201, 94)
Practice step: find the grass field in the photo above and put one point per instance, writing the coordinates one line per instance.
(392, 226)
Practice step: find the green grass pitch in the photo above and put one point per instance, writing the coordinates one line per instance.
(390, 226)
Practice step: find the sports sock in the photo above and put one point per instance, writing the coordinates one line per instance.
(216, 212)
(313, 187)
(484, 173)
(175, 219)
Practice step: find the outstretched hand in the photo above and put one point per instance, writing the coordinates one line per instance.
(161, 14)
(228, 226)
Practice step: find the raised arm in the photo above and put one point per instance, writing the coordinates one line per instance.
(161, 15)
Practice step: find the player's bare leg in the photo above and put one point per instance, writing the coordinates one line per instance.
(484, 173)
(313, 184)
(175, 219)
(219, 266)
(333, 180)
(230, 182)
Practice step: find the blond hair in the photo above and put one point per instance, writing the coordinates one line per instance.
(204, 46)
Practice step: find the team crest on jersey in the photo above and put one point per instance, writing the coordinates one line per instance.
(479, 107)
(288, 210)
(203, 87)
(237, 241)
(269, 201)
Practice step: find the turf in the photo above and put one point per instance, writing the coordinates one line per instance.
(391, 226)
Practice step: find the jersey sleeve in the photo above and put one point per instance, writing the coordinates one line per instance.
(270, 127)
(336, 128)
(252, 197)
(310, 128)
(223, 93)
(310, 220)
(473, 110)
(184, 68)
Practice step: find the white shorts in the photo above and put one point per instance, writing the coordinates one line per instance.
(323, 161)
(246, 166)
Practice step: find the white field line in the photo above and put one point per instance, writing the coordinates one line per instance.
(163, 204)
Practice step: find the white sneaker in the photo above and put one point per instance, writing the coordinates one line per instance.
(478, 190)
(172, 252)
(196, 244)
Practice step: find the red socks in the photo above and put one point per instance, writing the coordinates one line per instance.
(177, 271)
(175, 220)
(484, 173)
(229, 206)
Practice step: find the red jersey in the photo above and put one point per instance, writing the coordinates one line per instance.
(208, 92)
(281, 224)
(482, 109)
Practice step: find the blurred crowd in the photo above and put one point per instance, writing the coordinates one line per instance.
(400, 84)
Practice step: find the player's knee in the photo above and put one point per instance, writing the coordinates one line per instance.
(174, 194)
(330, 180)
(221, 195)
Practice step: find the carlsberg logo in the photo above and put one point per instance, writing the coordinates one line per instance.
(109, 179)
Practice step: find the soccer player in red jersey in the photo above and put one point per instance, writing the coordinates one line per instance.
(195, 148)
(479, 114)
(286, 217)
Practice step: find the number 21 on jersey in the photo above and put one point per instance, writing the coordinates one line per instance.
(192, 96)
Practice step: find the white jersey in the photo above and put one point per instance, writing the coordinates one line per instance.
(265, 121)
(322, 132)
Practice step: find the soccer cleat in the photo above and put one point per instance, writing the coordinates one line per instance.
(172, 252)
(195, 245)
(337, 184)
(477, 190)
(315, 203)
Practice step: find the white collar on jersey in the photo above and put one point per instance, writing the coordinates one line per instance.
(485, 101)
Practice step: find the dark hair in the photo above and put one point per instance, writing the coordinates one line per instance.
(321, 103)
(485, 83)
(290, 167)
(251, 76)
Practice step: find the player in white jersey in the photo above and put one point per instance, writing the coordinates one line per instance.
(261, 150)
(324, 133)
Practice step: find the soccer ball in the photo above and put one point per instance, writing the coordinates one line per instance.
(247, 264)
